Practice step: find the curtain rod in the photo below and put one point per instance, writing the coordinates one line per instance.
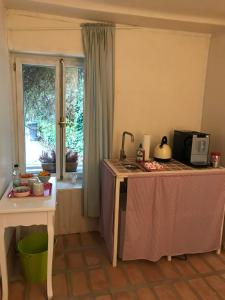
(63, 29)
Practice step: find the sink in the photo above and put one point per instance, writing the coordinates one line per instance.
(130, 166)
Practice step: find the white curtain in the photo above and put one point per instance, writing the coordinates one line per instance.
(98, 43)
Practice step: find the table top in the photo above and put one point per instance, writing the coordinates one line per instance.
(28, 204)
(172, 167)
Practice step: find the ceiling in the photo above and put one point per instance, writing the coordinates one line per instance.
(203, 15)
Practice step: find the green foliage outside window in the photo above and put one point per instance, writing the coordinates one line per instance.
(40, 105)
(74, 109)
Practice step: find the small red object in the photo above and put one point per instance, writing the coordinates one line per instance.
(215, 159)
(215, 153)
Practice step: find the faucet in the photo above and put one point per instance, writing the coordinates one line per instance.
(122, 152)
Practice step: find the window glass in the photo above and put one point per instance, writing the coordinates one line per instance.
(74, 95)
(39, 101)
(50, 98)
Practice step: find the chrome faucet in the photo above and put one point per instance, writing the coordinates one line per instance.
(122, 152)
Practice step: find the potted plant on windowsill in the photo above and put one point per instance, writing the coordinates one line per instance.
(71, 161)
(48, 161)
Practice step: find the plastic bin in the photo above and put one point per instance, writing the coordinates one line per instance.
(33, 250)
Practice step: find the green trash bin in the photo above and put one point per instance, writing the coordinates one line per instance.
(33, 250)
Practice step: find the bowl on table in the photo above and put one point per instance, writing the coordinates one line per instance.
(25, 177)
(44, 179)
(44, 176)
(21, 191)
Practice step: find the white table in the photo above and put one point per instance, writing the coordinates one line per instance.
(26, 212)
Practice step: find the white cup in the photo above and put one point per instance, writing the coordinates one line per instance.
(38, 189)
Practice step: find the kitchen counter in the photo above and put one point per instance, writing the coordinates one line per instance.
(172, 167)
(167, 211)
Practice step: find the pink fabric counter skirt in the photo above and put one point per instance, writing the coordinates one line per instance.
(108, 182)
(168, 215)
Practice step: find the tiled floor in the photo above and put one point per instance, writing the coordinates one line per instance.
(82, 271)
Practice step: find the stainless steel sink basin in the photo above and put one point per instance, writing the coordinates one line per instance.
(130, 166)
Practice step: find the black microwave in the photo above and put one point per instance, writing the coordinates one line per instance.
(191, 147)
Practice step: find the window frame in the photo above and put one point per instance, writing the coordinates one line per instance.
(17, 60)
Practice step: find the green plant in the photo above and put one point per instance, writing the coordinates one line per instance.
(40, 105)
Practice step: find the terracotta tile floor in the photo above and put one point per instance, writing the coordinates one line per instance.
(82, 271)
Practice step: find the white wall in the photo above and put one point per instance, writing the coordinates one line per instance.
(213, 120)
(5, 114)
(5, 108)
(33, 32)
(160, 74)
(160, 78)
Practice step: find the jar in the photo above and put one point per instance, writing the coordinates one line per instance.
(31, 182)
(215, 159)
(16, 176)
(38, 189)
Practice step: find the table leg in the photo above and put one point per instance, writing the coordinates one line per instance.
(116, 221)
(50, 254)
(3, 264)
(221, 234)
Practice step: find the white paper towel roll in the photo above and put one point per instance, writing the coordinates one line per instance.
(146, 145)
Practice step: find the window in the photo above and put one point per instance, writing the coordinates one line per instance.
(50, 96)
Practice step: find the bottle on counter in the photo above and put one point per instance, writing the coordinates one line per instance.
(215, 159)
(16, 176)
(140, 155)
(73, 178)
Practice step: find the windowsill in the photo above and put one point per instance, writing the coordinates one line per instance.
(66, 184)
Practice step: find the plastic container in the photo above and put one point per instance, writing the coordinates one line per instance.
(215, 159)
(140, 155)
(33, 250)
(16, 176)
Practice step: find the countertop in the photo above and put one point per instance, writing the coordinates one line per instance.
(28, 204)
(169, 168)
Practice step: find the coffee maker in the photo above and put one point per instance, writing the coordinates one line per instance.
(191, 147)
